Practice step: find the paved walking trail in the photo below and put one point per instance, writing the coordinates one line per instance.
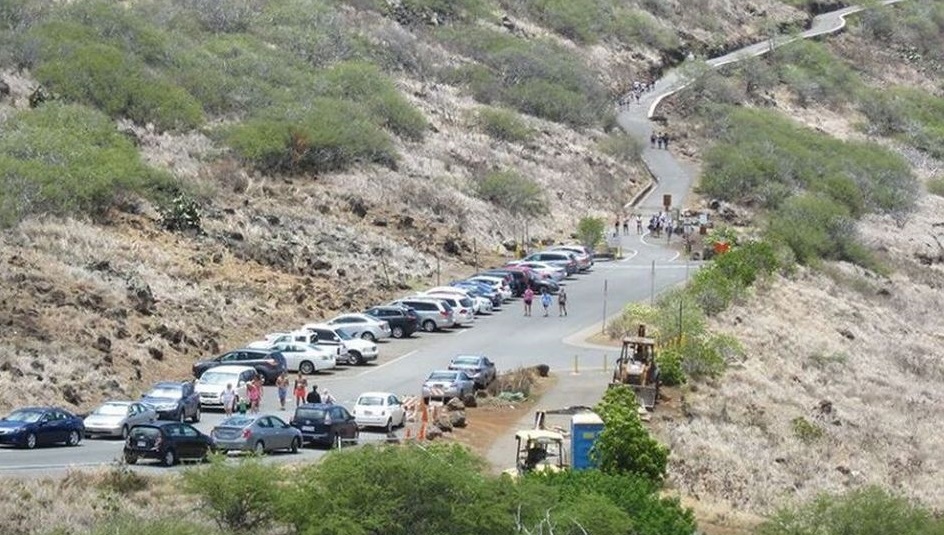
(670, 176)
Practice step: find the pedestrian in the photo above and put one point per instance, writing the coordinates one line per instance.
(616, 225)
(228, 398)
(300, 389)
(562, 302)
(313, 396)
(652, 140)
(659, 140)
(528, 297)
(625, 226)
(328, 398)
(545, 300)
(665, 141)
(638, 224)
(282, 385)
(254, 393)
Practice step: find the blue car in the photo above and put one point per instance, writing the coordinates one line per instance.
(174, 401)
(39, 426)
(480, 290)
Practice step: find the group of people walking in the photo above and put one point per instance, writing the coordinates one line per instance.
(638, 88)
(254, 391)
(546, 300)
(660, 140)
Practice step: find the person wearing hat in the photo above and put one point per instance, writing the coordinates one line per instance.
(313, 396)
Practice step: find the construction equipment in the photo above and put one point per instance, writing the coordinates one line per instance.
(539, 450)
(636, 367)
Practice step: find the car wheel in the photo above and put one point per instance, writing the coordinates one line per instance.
(30, 441)
(259, 448)
(73, 439)
(196, 415)
(397, 332)
(356, 358)
(124, 433)
(388, 428)
(170, 458)
(296, 444)
(306, 368)
(429, 326)
(367, 335)
(131, 458)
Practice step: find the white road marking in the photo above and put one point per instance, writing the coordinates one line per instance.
(385, 364)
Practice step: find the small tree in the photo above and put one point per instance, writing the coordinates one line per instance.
(517, 194)
(590, 231)
(625, 446)
(240, 497)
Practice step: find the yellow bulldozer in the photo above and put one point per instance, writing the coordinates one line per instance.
(636, 367)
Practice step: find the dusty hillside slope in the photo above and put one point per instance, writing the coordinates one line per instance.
(99, 309)
(842, 381)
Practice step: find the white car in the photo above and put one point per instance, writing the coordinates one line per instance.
(584, 256)
(455, 293)
(543, 269)
(212, 383)
(115, 418)
(362, 326)
(379, 409)
(496, 283)
(352, 350)
(301, 337)
(270, 340)
(307, 358)
(461, 306)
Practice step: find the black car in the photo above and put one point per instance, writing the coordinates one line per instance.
(173, 400)
(268, 363)
(324, 424)
(168, 442)
(36, 426)
(519, 279)
(403, 321)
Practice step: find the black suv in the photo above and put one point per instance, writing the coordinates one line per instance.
(173, 400)
(403, 321)
(267, 363)
(168, 442)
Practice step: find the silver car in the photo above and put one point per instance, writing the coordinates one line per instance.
(258, 433)
(432, 314)
(448, 384)
(115, 418)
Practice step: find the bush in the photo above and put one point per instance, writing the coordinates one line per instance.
(625, 446)
(622, 147)
(504, 125)
(867, 511)
(329, 135)
(241, 497)
(730, 275)
(814, 74)
(671, 371)
(123, 480)
(139, 526)
(512, 192)
(910, 114)
(182, 213)
(68, 159)
(815, 228)
(936, 186)
(590, 231)
(805, 431)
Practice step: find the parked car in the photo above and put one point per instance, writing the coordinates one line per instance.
(463, 314)
(268, 363)
(517, 280)
(543, 269)
(39, 426)
(539, 285)
(481, 289)
(362, 326)
(480, 305)
(301, 336)
(433, 314)
(115, 418)
(584, 255)
(352, 350)
(403, 321)
(379, 409)
(324, 424)
(307, 358)
(447, 384)
(480, 369)
(258, 433)
(564, 259)
(173, 401)
(211, 385)
(499, 284)
(167, 442)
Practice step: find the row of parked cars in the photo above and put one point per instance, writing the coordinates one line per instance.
(155, 426)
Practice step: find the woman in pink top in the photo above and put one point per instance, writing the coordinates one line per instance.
(528, 298)
(254, 392)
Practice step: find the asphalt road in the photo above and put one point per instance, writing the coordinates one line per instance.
(508, 337)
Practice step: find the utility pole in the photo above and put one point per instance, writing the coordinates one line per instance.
(605, 287)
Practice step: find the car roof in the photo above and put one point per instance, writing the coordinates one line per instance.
(39, 409)
(168, 383)
(231, 368)
(316, 405)
(444, 371)
(160, 423)
(118, 402)
(468, 356)
(309, 326)
(382, 394)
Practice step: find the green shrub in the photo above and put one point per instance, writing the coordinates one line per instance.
(622, 147)
(123, 480)
(865, 511)
(510, 191)
(590, 231)
(910, 114)
(68, 159)
(936, 186)
(504, 125)
(446, 10)
(124, 523)
(625, 446)
(241, 497)
(181, 213)
(806, 431)
(814, 228)
(671, 371)
(552, 101)
(329, 135)
(730, 275)
(814, 74)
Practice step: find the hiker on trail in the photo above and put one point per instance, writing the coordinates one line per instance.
(300, 389)
(668, 231)
(638, 224)
(545, 300)
(652, 140)
(313, 396)
(659, 140)
(562, 302)
(616, 226)
(665, 141)
(625, 226)
(228, 398)
(528, 298)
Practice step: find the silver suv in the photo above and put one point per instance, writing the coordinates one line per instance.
(432, 314)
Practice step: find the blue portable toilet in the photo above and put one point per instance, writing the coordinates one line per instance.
(584, 429)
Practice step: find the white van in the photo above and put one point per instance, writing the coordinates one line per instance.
(212, 383)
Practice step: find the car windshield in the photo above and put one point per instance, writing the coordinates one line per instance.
(25, 416)
(164, 392)
(370, 400)
(237, 421)
(144, 431)
(466, 361)
(442, 376)
(342, 335)
(112, 409)
(466, 302)
(309, 414)
(218, 378)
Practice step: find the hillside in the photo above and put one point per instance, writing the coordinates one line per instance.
(459, 130)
